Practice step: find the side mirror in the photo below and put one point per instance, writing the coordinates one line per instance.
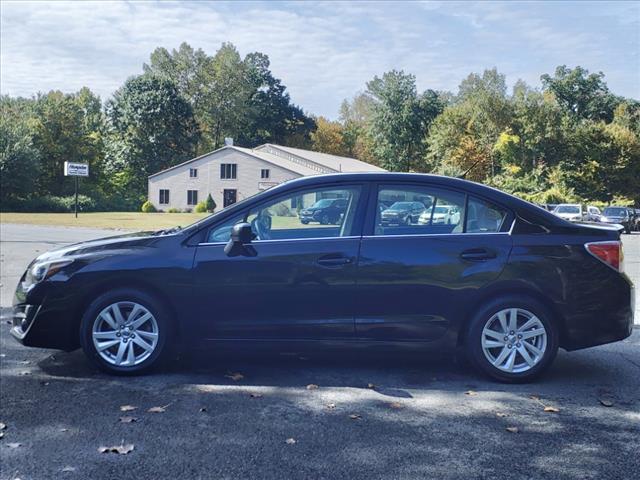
(241, 235)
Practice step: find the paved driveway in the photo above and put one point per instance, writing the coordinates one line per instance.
(421, 417)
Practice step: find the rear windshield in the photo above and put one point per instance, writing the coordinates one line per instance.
(615, 212)
(568, 209)
(401, 205)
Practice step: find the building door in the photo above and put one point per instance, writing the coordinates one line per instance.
(229, 197)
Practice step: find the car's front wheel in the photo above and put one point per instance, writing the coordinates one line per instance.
(513, 339)
(124, 331)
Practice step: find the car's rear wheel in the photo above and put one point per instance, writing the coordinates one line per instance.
(124, 332)
(513, 339)
(325, 220)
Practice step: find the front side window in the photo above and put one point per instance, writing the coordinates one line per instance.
(192, 197)
(228, 171)
(164, 196)
(193, 173)
(415, 210)
(314, 213)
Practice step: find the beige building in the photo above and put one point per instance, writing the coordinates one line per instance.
(233, 173)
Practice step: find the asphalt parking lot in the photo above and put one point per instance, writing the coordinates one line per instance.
(371, 416)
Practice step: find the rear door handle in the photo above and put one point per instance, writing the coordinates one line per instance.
(477, 254)
(334, 261)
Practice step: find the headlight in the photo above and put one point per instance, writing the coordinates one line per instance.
(40, 271)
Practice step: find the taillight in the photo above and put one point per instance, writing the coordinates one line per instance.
(608, 252)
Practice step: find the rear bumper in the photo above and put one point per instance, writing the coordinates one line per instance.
(612, 322)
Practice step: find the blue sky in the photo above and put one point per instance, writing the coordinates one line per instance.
(323, 51)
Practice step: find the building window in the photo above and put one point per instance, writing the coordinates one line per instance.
(164, 196)
(192, 197)
(264, 173)
(193, 173)
(228, 171)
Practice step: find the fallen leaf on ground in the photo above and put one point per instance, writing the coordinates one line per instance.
(355, 416)
(2, 426)
(331, 405)
(312, 386)
(235, 376)
(14, 445)
(255, 395)
(371, 386)
(1, 434)
(551, 409)
(44, 383)
(501, 415)
(128, 419)
(69, 469)
(395, 405)
(471, 392)
(127, 408)
(512, 429)
(119, 449)
(606, 402)
(203, 409)
(25, 362)
(290, 441)
(158, 409)
(64, 429)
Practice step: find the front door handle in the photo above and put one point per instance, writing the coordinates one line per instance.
(477, 254)
(334, 261)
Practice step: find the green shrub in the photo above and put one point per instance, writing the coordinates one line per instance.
(147, 207)
(201, 207)
(173, 210)
(211, 204)
(50, 204)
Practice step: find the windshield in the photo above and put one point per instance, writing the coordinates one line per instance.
(441, 209)
(322, 203)
(568, 209)
(400, 206)
(615, 212)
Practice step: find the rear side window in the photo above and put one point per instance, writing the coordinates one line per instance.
(484, 217)
(416, 210)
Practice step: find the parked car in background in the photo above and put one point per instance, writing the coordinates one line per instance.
(402, 213)
(327, 211)
(445, 214)
(509, 284)
(549, 206)
(618, 215)
(572, 212)
(637, 219)
(592, 214)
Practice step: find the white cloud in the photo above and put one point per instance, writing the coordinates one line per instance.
(323, 52)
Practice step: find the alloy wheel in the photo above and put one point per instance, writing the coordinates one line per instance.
(514, 340)
(125, 334)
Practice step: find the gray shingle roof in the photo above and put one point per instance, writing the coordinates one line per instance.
(297, 160)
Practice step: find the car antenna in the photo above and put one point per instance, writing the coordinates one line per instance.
(469, 169)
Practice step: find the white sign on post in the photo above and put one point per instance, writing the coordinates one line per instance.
(72, 169)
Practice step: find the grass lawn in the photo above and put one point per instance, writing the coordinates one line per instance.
(114, 220)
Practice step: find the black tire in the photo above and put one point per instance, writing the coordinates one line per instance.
(325, 220)
(146, 300)
(305, 222)
(473, 340)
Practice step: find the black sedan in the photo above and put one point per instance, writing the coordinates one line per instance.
(507, 281)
